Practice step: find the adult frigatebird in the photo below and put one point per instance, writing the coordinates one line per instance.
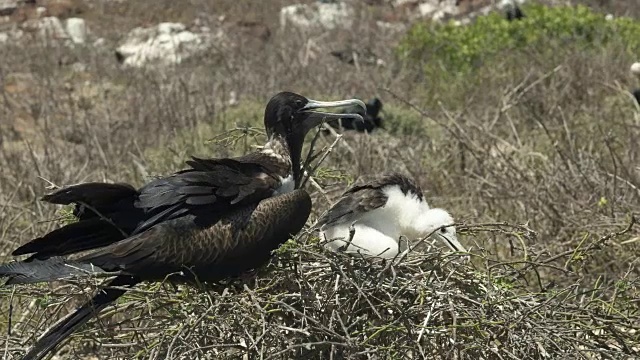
(216, 219)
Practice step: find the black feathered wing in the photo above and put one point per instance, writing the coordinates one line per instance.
(109, 213)
(213, 191)
(240, 240)
(367, 196)
(105, 213)
(352, 205)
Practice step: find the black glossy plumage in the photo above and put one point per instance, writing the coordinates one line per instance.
(636, 94)
(215, 219)
(514, 12)
(372, 119)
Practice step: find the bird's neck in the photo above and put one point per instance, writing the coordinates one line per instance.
(278, 151)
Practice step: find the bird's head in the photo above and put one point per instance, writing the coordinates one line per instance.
(291, 116)
(374, 106)
(436, 220)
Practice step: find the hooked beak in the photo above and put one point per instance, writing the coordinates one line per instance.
(451, 241)
(315, 118)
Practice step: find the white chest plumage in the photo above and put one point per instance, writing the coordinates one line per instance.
(378, 231)
(396, 215)
(287, 185)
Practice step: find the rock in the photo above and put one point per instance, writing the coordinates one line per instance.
(74, 30)
(50, 28)
(635, 69)
(79, 67)
(426, 9)
(446, 10)
(392, 27)
(164, 44)
(322, 16)
(404, 2)
(77, 30)
(7, 7)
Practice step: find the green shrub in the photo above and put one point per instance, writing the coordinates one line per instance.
(459, 49)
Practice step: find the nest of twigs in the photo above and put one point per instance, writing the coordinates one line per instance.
(311, 303)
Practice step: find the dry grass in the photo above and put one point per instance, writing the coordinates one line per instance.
(541, 149)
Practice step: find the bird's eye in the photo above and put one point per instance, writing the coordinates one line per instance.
(443, 230)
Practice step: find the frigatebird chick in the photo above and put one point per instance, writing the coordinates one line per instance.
(372, 119)
(216, 219)
(380, 211)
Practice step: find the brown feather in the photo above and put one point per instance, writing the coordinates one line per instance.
(241, 240)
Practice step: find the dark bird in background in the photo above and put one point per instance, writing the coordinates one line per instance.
(372, 119)
(635, 70)
(216, 219)
(513, 12)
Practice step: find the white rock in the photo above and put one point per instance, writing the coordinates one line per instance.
(426, 9)
(99, 42)
(317, 16)
(4, 37)
(40, 11)
(170, 28)
(50, 27)
(7, 7)
(77, 30)
(79, 67)
(391, 27)
(635, 69)
(164, 44)
(444, 9)
(402, 2)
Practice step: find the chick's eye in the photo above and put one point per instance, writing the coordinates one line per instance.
(443, 230)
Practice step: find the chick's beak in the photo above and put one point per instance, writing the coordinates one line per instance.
(451, 240)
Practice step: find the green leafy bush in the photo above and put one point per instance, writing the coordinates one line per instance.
(458, 49)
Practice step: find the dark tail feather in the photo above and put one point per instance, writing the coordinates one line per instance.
(34, 271)
(54, 336)
(116, 217)
(94, 200)
(72, 238)
(93, 193)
